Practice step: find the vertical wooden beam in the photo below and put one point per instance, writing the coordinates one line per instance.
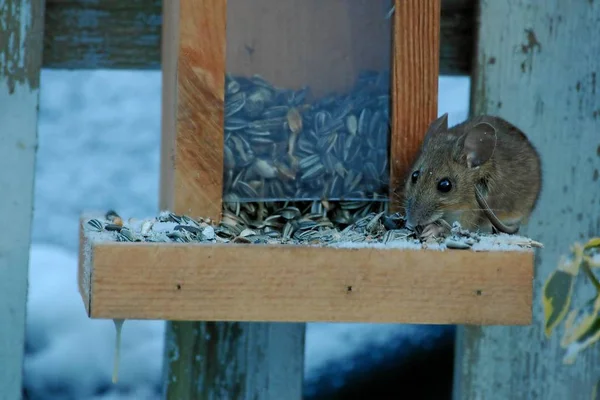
(538, 66)
(210, 360)
(214, 360)
(21, 34)
(414, 84)
(194, 89)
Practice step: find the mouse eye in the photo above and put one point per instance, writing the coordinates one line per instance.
(414, 176)
(444, 185)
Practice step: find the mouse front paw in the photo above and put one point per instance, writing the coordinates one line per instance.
(434, 231)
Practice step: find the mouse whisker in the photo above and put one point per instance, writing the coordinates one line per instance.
(480, 209)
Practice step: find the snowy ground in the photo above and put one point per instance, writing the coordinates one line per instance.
(99, 137)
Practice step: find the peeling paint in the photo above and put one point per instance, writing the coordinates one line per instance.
(227, 360)
(532, 42)
(547, 52)
(20, 57)
(20, 50)
(528, 49)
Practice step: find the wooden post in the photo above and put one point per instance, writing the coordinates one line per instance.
(538, 65)
(21, 31)
(211, 360)
(75, 28)
(415, 85)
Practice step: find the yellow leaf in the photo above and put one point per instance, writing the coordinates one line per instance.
(582, 330)
(579, 321)
(572, 263)
(592, 252)
(593, 242)
(587, 337)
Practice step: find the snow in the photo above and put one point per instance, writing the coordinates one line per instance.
(99, 138)
(67, 349)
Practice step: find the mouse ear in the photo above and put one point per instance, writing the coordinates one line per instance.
(478, 144)
(437, 126)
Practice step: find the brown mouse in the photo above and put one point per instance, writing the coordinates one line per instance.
(483, 173)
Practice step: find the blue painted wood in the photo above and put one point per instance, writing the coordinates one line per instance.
(538, 66)
(21, 29)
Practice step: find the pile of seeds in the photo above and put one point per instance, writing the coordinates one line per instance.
(280, 147)
(288, 226)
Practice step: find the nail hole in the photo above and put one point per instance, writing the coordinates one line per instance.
(178, 286)
(349, 289)
(478, 292)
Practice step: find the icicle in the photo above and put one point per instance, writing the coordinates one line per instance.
(119, 327)
(391, 12)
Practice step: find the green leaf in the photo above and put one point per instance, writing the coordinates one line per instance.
(558, 289)
(592, 252)
(592, 243)
(579, 321)
(556, 298)
(582, 329)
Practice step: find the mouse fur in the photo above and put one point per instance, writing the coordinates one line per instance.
(486, 151)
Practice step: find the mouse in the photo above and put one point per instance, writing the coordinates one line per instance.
(483, 173)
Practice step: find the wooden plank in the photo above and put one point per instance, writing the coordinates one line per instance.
(22, 26)
(88, 34)
(287, 283)
(415, 85)
(193, 98)
(84, 34)
(538, 67)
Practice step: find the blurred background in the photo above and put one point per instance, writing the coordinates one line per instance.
(99, 138)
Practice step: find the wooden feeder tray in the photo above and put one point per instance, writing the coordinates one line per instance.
(400, 281)
(324, 45)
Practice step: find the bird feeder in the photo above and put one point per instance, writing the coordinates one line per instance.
(286, 125)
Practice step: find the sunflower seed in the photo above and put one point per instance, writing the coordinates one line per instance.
(95, 225)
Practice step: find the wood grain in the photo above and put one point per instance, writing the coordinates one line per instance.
(539, 68)
(193, 96)
(415, 85)
(289, 284)
(21, 33)
(116, 34)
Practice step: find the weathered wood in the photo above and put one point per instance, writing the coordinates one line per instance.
(21, 26)
(538, 66)
(285, 283)
(193, 87)
(89, 34)
(214, 360)
(414, 85)
(84, 34)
